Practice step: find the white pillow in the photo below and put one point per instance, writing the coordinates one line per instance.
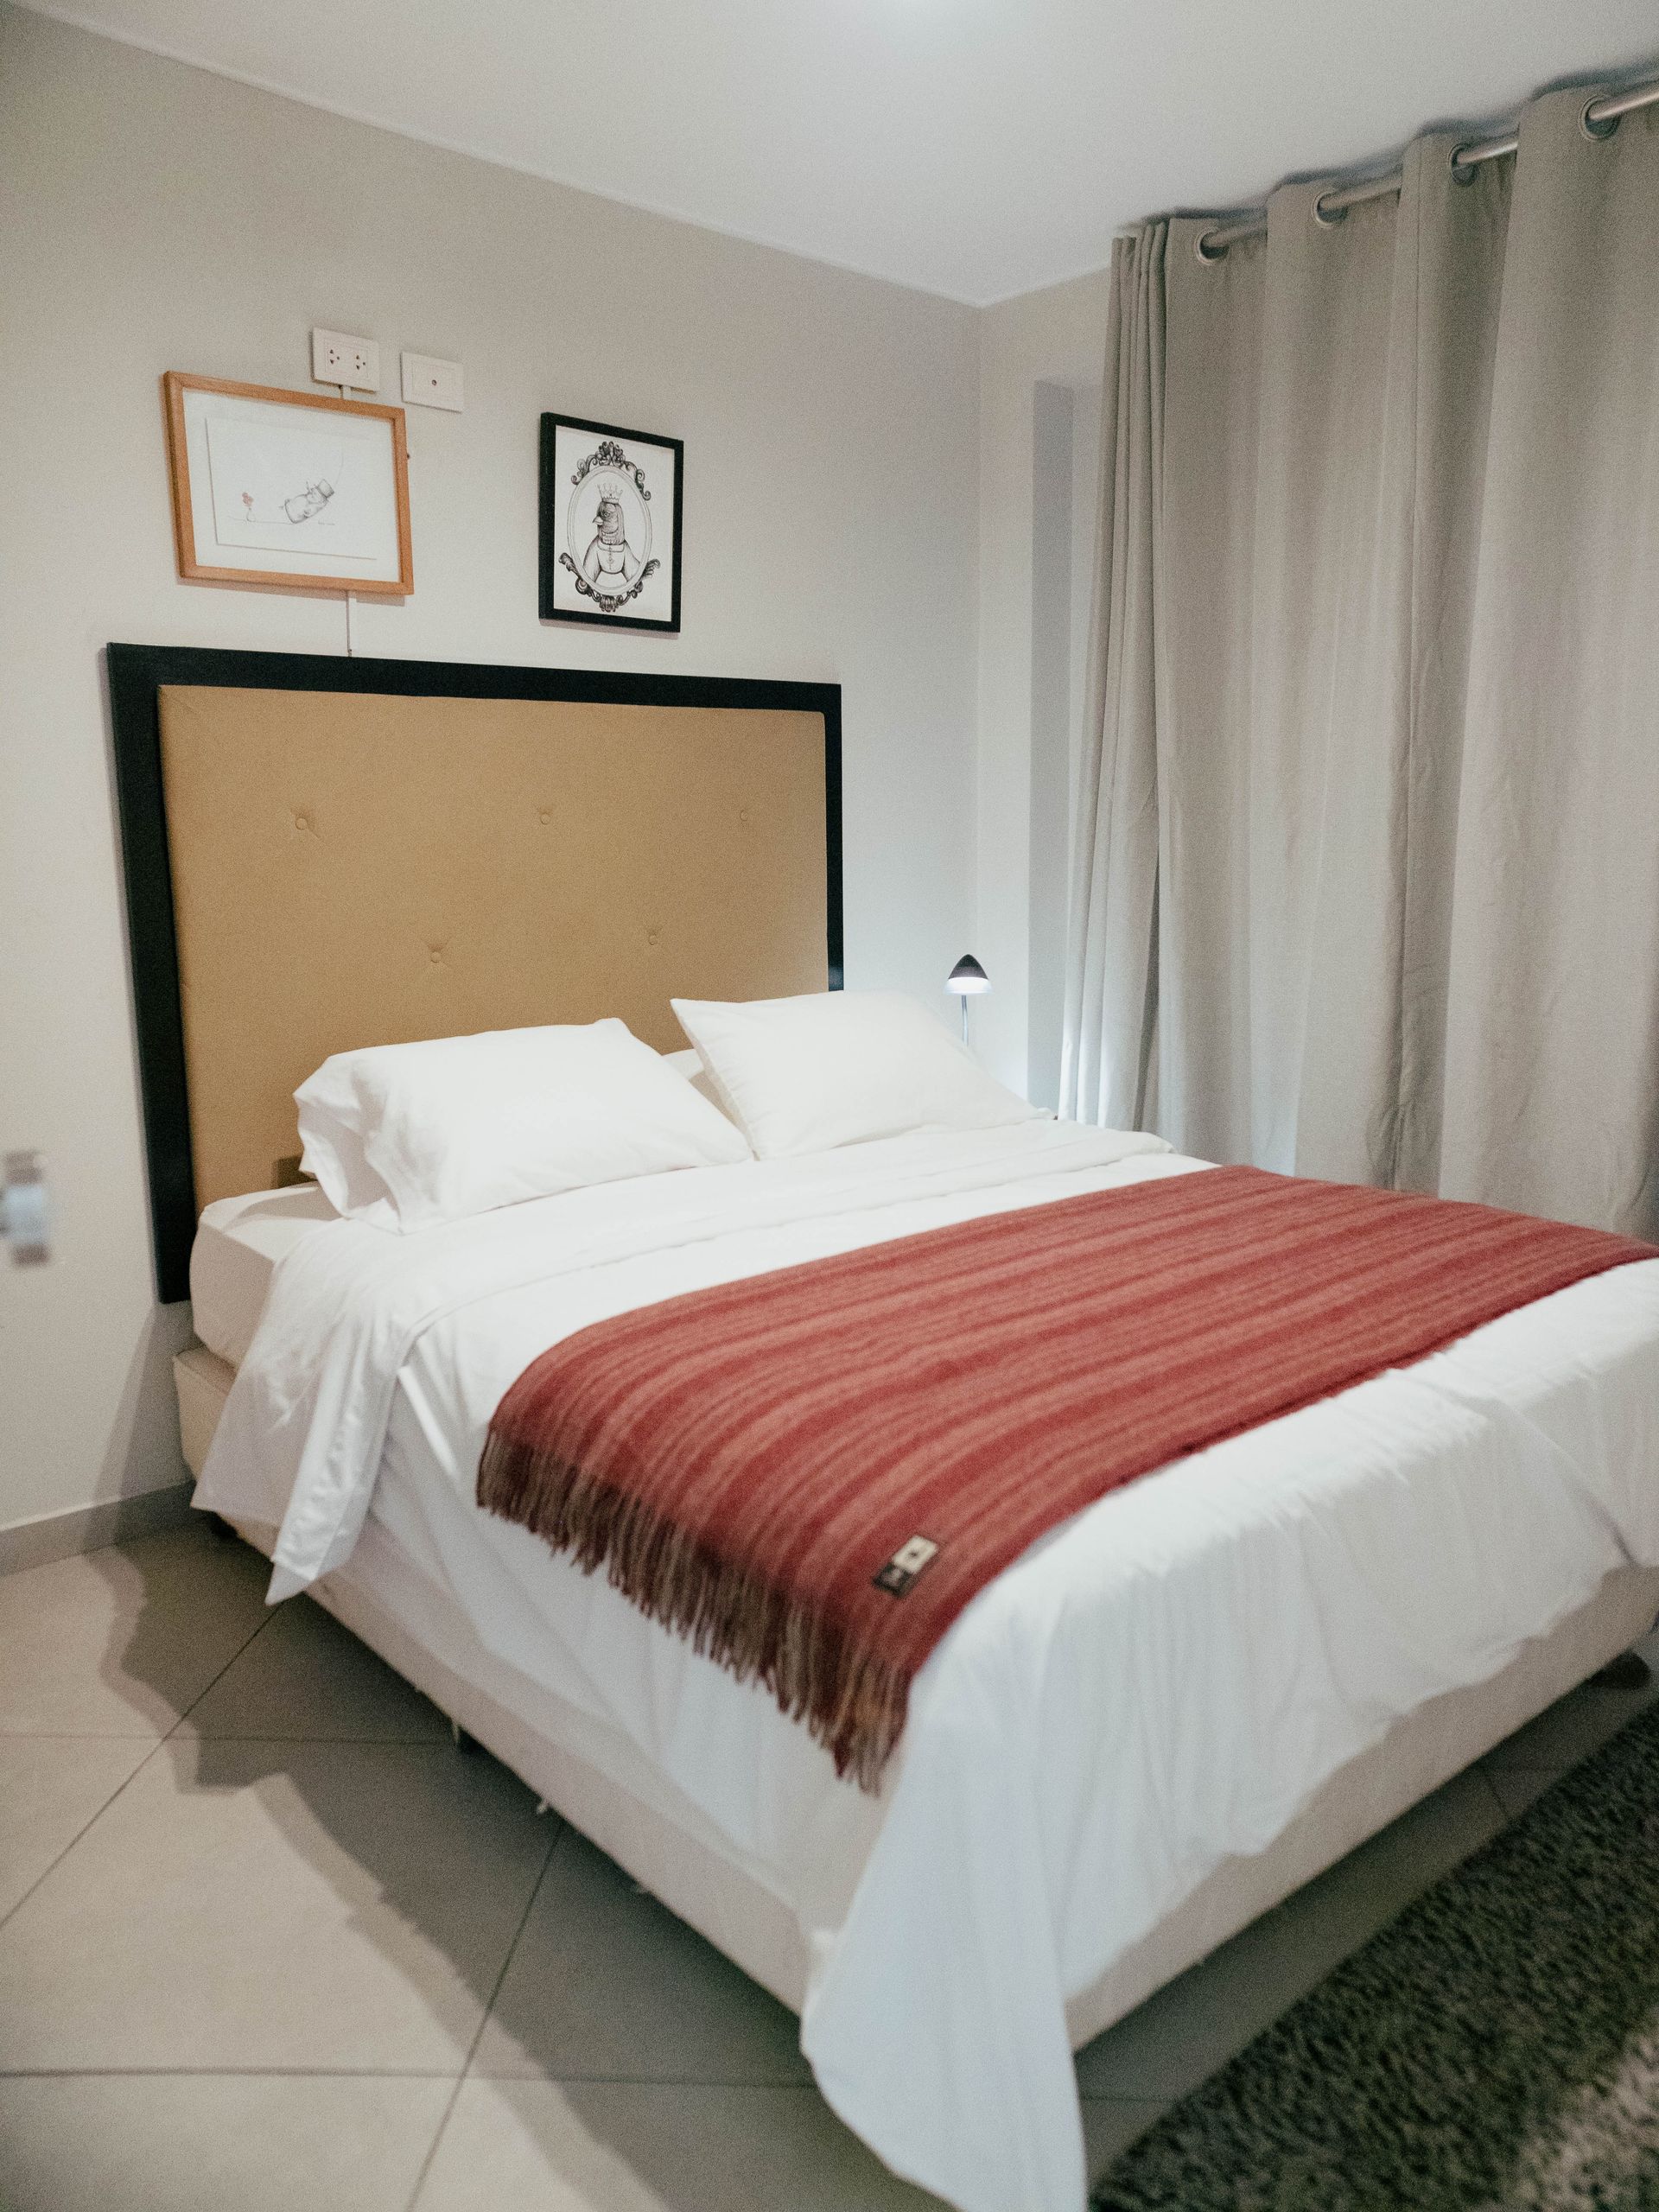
(806, 1074)
(409, 1135)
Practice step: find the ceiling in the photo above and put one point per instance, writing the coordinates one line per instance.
(974, 148)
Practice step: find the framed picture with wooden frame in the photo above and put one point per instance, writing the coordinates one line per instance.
(288, 491)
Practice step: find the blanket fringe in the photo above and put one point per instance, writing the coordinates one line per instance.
(851, 1702)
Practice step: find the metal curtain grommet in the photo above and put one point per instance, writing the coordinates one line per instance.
(1596, 126)
(1462, 172)
(1201, 247)
(1328, 217)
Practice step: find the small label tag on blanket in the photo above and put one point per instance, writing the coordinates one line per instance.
(906, 1563)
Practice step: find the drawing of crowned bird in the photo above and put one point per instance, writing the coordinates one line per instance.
(609, 556)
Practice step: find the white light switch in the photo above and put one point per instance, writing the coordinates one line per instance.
(336, 359)
(428, 383)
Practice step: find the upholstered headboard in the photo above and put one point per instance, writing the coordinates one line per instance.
(322, 854)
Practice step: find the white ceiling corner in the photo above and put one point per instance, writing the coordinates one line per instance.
(973, 147)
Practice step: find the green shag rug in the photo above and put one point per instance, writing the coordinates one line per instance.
(1496, 2049)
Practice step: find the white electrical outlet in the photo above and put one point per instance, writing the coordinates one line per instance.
(428, 383)
(336, 359)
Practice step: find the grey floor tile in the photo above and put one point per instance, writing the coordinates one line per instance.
(606, 1984)
(343, 1907)
(1111, 2123)
(1184, 2032)
(308, 1878)
(617, 2147)
(50, 1786)
(121, 1642)
(215, 2143)
(305, 1676)
(1578, 1724)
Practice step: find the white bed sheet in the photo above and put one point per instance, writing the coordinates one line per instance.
(1158, 1685)
(238, 1245)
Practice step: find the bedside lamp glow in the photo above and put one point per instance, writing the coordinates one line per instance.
(966, 981)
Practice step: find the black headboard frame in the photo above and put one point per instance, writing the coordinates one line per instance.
(136, 676)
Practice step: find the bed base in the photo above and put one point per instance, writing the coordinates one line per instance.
(743, 1918)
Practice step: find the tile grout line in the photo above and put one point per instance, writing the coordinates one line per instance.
(83, 1735)
(225, 2072)
(359, 1743)
(564, 1829)
(47, 1870)
(219, 1736)
(443, 2074)
(160, 1744)
(559, 2080)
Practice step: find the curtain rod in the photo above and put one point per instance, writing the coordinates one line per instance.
(1597, 119)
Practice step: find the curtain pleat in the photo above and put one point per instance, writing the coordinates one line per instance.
(1110, 985)
(1329, 645)
(1212, 396)
(1461, 230)
(1368, 839)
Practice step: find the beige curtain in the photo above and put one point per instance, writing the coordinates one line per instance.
(1552, 1012)
(1368, 854)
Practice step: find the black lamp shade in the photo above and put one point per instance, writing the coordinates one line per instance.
(967, 977)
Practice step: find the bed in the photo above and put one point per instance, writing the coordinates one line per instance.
(1168, 1715)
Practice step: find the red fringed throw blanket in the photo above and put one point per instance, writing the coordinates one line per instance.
(812, 1471)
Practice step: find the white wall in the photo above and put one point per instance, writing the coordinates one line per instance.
(1054, 639)
(156, 218)
(1066, 522)
(1054, 338)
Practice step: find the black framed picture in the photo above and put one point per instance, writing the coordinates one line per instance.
(610, 536)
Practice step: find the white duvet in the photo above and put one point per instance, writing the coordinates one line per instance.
(1157, 1686)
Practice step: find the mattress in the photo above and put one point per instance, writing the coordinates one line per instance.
(1158, 1688)
(238, 1245)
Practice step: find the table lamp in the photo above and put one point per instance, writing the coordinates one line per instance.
(967, 979)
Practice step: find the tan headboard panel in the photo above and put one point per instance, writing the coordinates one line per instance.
(353, 868)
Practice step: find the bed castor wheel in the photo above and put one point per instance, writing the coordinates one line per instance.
(1629, 1671)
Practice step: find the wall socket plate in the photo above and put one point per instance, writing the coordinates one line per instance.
(338, 358)
(428, 383)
